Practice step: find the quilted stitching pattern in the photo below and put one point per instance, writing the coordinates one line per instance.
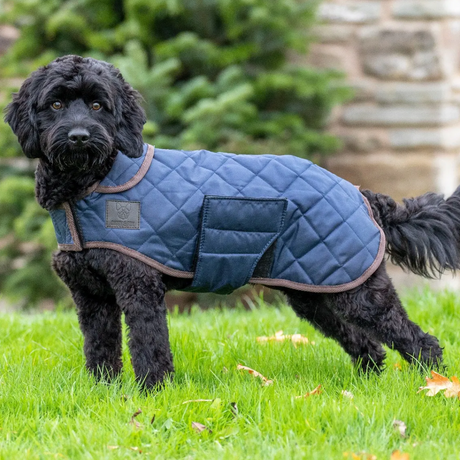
(328, 238)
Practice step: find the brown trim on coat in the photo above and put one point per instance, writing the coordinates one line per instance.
(139, 256)
(77, 246)
(91, 189)
(131, 182)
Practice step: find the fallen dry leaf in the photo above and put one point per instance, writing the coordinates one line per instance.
(254, 373)
(133, 420)
(113, 447)
(298, 338)
(439, 383)
(359, 456)
(316, 391)
(400, 427)
(396, 455)
(280, 337)
(199, 427)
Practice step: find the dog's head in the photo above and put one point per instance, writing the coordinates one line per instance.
(75, 113)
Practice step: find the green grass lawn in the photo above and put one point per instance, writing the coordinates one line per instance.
(51, 408)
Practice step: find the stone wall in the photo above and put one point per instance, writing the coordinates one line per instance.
(401, 132)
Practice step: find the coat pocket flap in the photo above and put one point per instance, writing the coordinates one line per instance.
(235, 233)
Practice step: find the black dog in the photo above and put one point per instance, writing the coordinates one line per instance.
(76, 113)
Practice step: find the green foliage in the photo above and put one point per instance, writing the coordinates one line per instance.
(215, 74)
(27, 240)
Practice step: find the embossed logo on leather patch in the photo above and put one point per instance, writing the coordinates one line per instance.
(122, 214)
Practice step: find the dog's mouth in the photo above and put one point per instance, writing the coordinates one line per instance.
(82, 158)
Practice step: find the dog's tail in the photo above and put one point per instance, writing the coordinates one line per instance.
(423, 233)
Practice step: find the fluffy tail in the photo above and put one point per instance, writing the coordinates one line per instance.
(423, 234)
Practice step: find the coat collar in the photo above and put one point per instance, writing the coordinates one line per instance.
(126, 172)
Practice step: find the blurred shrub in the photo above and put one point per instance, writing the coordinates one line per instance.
(215, 74)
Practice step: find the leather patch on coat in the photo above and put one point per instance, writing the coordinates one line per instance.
(123, 214)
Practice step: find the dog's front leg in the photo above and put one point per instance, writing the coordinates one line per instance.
(140, 292)
(98, 314)
(145, 316)
(100, 323)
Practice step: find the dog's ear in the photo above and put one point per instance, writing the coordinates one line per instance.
(130, 122)
(20, 114)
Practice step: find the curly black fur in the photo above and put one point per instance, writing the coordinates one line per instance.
(421, 235)
(75, 113)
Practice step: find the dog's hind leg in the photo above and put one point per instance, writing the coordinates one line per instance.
(376, 308)
(98, 314)
(365, 352)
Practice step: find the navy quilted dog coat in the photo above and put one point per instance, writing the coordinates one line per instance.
(223, 220)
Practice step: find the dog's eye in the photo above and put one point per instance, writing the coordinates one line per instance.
(96, 106)
(57, 105)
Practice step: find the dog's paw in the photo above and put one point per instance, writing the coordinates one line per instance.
(152, 383)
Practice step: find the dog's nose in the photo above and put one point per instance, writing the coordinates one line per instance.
(79, 136)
